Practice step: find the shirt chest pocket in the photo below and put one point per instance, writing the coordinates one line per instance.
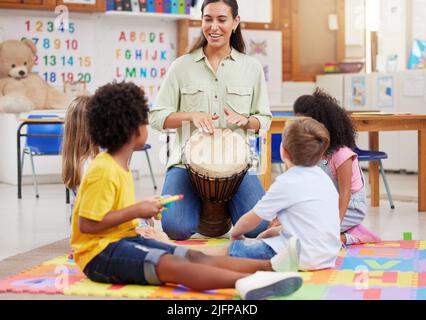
(239, 99)
(193, 99)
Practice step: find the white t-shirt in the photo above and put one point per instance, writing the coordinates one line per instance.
(307, 204)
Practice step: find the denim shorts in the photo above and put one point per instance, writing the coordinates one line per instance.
(252, 249)
(130, 261)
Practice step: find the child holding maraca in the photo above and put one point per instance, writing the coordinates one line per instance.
(146, 227)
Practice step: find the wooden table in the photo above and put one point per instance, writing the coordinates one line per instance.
(373, 124)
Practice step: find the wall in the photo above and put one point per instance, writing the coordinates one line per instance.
(418, 19)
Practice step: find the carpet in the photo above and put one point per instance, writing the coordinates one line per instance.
(392, 270)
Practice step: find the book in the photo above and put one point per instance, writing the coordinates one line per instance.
(188, 6)
(142, 5)
(110, 6)
(181, 6)
(150, 5)
(175, 7)
(159, 6)
(119, 5)
(135, 5)
(167, 6)
(127, 5)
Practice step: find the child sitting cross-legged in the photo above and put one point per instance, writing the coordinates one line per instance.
(341, 164)
(304, 201)
(78, 151)
(106, 246)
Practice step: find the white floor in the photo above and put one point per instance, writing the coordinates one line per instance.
(30, 223)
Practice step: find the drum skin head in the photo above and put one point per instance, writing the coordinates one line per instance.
(223, 154)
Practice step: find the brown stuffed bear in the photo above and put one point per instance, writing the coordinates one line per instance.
(21, 90)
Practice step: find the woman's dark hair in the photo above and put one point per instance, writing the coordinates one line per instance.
(236, 41)
(325, 109)
(114, 114)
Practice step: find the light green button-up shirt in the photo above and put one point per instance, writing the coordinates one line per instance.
(191, 85)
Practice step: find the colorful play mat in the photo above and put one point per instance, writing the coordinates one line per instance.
(382, 271)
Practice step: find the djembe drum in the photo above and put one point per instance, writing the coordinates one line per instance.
(216, 165)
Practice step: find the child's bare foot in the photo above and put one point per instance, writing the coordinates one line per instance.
(360, 234)
(343, 239)
(150, 233)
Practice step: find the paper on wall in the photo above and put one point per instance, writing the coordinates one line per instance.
(385, 91)
(414, 86)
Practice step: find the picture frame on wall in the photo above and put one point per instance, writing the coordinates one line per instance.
(75, 88)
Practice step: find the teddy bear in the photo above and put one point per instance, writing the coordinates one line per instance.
(20, 89)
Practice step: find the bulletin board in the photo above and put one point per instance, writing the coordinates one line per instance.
(266, 47)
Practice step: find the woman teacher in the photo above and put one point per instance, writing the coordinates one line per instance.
(215, 85)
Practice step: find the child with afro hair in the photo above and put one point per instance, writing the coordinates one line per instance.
(106, 246)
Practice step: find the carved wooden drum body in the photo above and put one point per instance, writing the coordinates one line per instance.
(216, 166)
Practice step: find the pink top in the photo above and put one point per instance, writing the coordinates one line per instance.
(338, 158)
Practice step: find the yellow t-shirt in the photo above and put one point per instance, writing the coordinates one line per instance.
(106, 187)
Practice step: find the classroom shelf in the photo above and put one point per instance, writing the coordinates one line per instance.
(150, 15)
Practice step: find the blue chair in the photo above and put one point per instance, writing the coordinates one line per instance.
(367, 155)
(275, 149)
(42, 145)
(146, 148)
(277, 139)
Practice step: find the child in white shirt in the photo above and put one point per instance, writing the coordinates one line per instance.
(305, 202)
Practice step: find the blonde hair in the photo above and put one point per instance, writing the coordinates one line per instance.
(305, 140)
(77, 146)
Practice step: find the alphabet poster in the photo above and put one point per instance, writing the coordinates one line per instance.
(142, 55)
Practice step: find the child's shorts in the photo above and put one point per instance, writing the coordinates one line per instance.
(130, 261)
(252, 249)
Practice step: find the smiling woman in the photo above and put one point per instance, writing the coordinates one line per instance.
(215, 85)
(220, 26)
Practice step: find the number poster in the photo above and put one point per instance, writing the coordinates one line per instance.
(64, 48)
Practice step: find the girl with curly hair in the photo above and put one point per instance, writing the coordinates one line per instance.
(341, 164)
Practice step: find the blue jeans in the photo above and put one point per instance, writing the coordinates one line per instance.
(130, 261)
(180, 221)
(251, 249)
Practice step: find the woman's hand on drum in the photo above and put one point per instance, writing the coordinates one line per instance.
(235, 118)
(149, 207)
(204, 121)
